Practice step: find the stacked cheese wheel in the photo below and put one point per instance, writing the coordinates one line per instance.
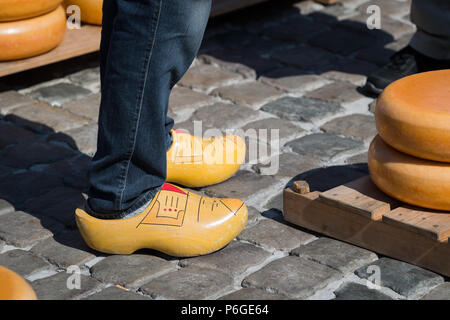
(30, 27)
(91, 10)
(410, 158)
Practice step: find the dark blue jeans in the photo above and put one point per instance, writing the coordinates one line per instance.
(146, 47)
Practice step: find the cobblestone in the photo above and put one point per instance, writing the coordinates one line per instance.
(356, 291)
(335, 254)
(58, 94)
(253, 216)
(9, 100)
(41, 118)
(232, 116)
(441, 292)
(393, 27)
(85, 138)
(405, 279)
(207, 77)
(183, 100)
(301, 109)
(264, 129)
(251, 94)
(244, 185)
(22, 230)
(55, 287)
(356, 126)
(234, 259)
(350, 70)
(115, 293)
(225, 62)
(389, 8)
(290, 165)
(293, 277)
(338, 92)
(88, 78)
(334, 14)
(275, 202)
(293, 80)
(252, 294)
(324, 146)
(359, 158)
(308, 6)
(87, 107)
(5, 207)
(23, 262)
(64, 249)
(130, 271)
(189, 283)
(247, 63)
(272, 234)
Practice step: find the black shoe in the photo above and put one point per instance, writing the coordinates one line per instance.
(404, 63)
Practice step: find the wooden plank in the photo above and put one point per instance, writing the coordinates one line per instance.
(429, 223)
(75, 43)
(225, 6)
(350, 199)
(378, 236)
(365, 186)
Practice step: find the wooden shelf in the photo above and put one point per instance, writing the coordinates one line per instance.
(75, 43)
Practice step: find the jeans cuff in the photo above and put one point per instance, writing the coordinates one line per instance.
(141, 204)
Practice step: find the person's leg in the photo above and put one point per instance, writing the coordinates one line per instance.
(432, 18)
(428, 50)
(109, 13)
(151, 45)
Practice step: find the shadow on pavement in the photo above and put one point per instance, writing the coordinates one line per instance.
(42, 173)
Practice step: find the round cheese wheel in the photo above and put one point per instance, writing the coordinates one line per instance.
(91, 10)
(22, 9)
(413, 115)
(13, 287)
(412, 180)
(30, 37)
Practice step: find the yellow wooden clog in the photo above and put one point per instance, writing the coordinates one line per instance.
(177, 222)
(196, 162)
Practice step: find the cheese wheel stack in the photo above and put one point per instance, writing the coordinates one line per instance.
(410, 158)
(91, 10)
(30, 27)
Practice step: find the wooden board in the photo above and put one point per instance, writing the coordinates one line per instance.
(411, 234)
(75, 43)
(87, 40)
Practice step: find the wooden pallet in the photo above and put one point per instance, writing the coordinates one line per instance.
(359, 213)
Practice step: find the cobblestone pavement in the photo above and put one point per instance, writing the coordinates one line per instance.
(296, 67)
